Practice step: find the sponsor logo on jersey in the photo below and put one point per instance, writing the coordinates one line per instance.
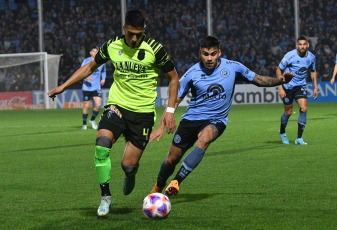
(224, 73)
(214, 91)
(128, 66)
(301, 71)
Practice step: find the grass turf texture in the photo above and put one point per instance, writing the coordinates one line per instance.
(247, 180)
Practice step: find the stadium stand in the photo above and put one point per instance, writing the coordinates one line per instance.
(255, 32)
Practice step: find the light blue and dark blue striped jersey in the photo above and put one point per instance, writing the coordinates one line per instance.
(212, 90)
(294, 63)
(336, 59)
(98, 75)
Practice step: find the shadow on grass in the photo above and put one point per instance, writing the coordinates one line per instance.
(183, 198)
(66, 129)
(243, 150)
(51, 147)
(114, 211)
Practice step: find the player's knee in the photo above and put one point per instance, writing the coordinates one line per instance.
(104, 141)
(130, 170)
(303, 109)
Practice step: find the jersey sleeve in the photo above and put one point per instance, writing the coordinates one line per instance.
(244, 72)
(162, 59)
(102, 55)
(184, 85)
(284, 63)
(313, 64)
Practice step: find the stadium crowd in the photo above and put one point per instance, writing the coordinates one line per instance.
(256, 33)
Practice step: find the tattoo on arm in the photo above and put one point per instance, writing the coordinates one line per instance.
(266, 81)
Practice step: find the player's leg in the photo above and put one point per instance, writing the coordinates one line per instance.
(302, 119)
(104, 143)
(167, 167)
(130, 160)
(288, 109)
(85, 111)
(139, 128)
(110, 128)
(205, 137)
(95, 111)
(193, 158)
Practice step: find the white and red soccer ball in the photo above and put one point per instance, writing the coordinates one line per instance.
(156, 205)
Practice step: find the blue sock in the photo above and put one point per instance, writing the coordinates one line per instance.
(164, 173)
(85, 116)
(190, 162)
(94, 115)
(284, 122)
(302, 120)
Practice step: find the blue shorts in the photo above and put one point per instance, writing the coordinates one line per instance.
(294, 94)
(188, 131)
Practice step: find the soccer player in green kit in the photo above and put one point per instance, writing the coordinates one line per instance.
(130, 109)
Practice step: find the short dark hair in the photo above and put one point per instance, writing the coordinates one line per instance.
(134, 18)
(209, 42)
(302, 37)
(93, 47)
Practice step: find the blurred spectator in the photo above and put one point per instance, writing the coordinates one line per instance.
(257, 32)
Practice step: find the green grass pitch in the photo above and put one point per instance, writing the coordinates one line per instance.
(247, 180)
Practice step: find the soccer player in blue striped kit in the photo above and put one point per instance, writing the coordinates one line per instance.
(299, 62)
(91, 89)
(212, 83)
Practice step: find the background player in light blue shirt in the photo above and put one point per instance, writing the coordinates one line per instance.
(91, 88)
(334, 72)
(212, 83)
(299, 62)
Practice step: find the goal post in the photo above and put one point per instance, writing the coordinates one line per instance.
(30, 71)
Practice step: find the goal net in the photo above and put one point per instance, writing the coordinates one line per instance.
(35, 73)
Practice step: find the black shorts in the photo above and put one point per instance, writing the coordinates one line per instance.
(294, 93)
(88, 95)
(187, 132)
(136, 127)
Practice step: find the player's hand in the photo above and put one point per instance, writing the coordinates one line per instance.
(282, 93)
(158, 133)
(286, 77)
(332, 80)
(52, 93)
(169, 122)
(315, 93)
(102, 82)
(90, 78)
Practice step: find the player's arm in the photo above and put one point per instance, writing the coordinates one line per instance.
(168, 116)
(103, 74)
(313, 75)
(272, 81)
(159, 132)
(334, 74)
(79, 75)
(281, 91)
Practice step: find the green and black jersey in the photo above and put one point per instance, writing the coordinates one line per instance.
(136, 72)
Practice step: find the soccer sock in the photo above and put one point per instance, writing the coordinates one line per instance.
(190, 162)
(302, 120)
(94, 115)
(284, 122)
(164, 173)
(103, 164)
(105, 189)
(85, 117)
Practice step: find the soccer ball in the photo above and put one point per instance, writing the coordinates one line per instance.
(156, 205)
